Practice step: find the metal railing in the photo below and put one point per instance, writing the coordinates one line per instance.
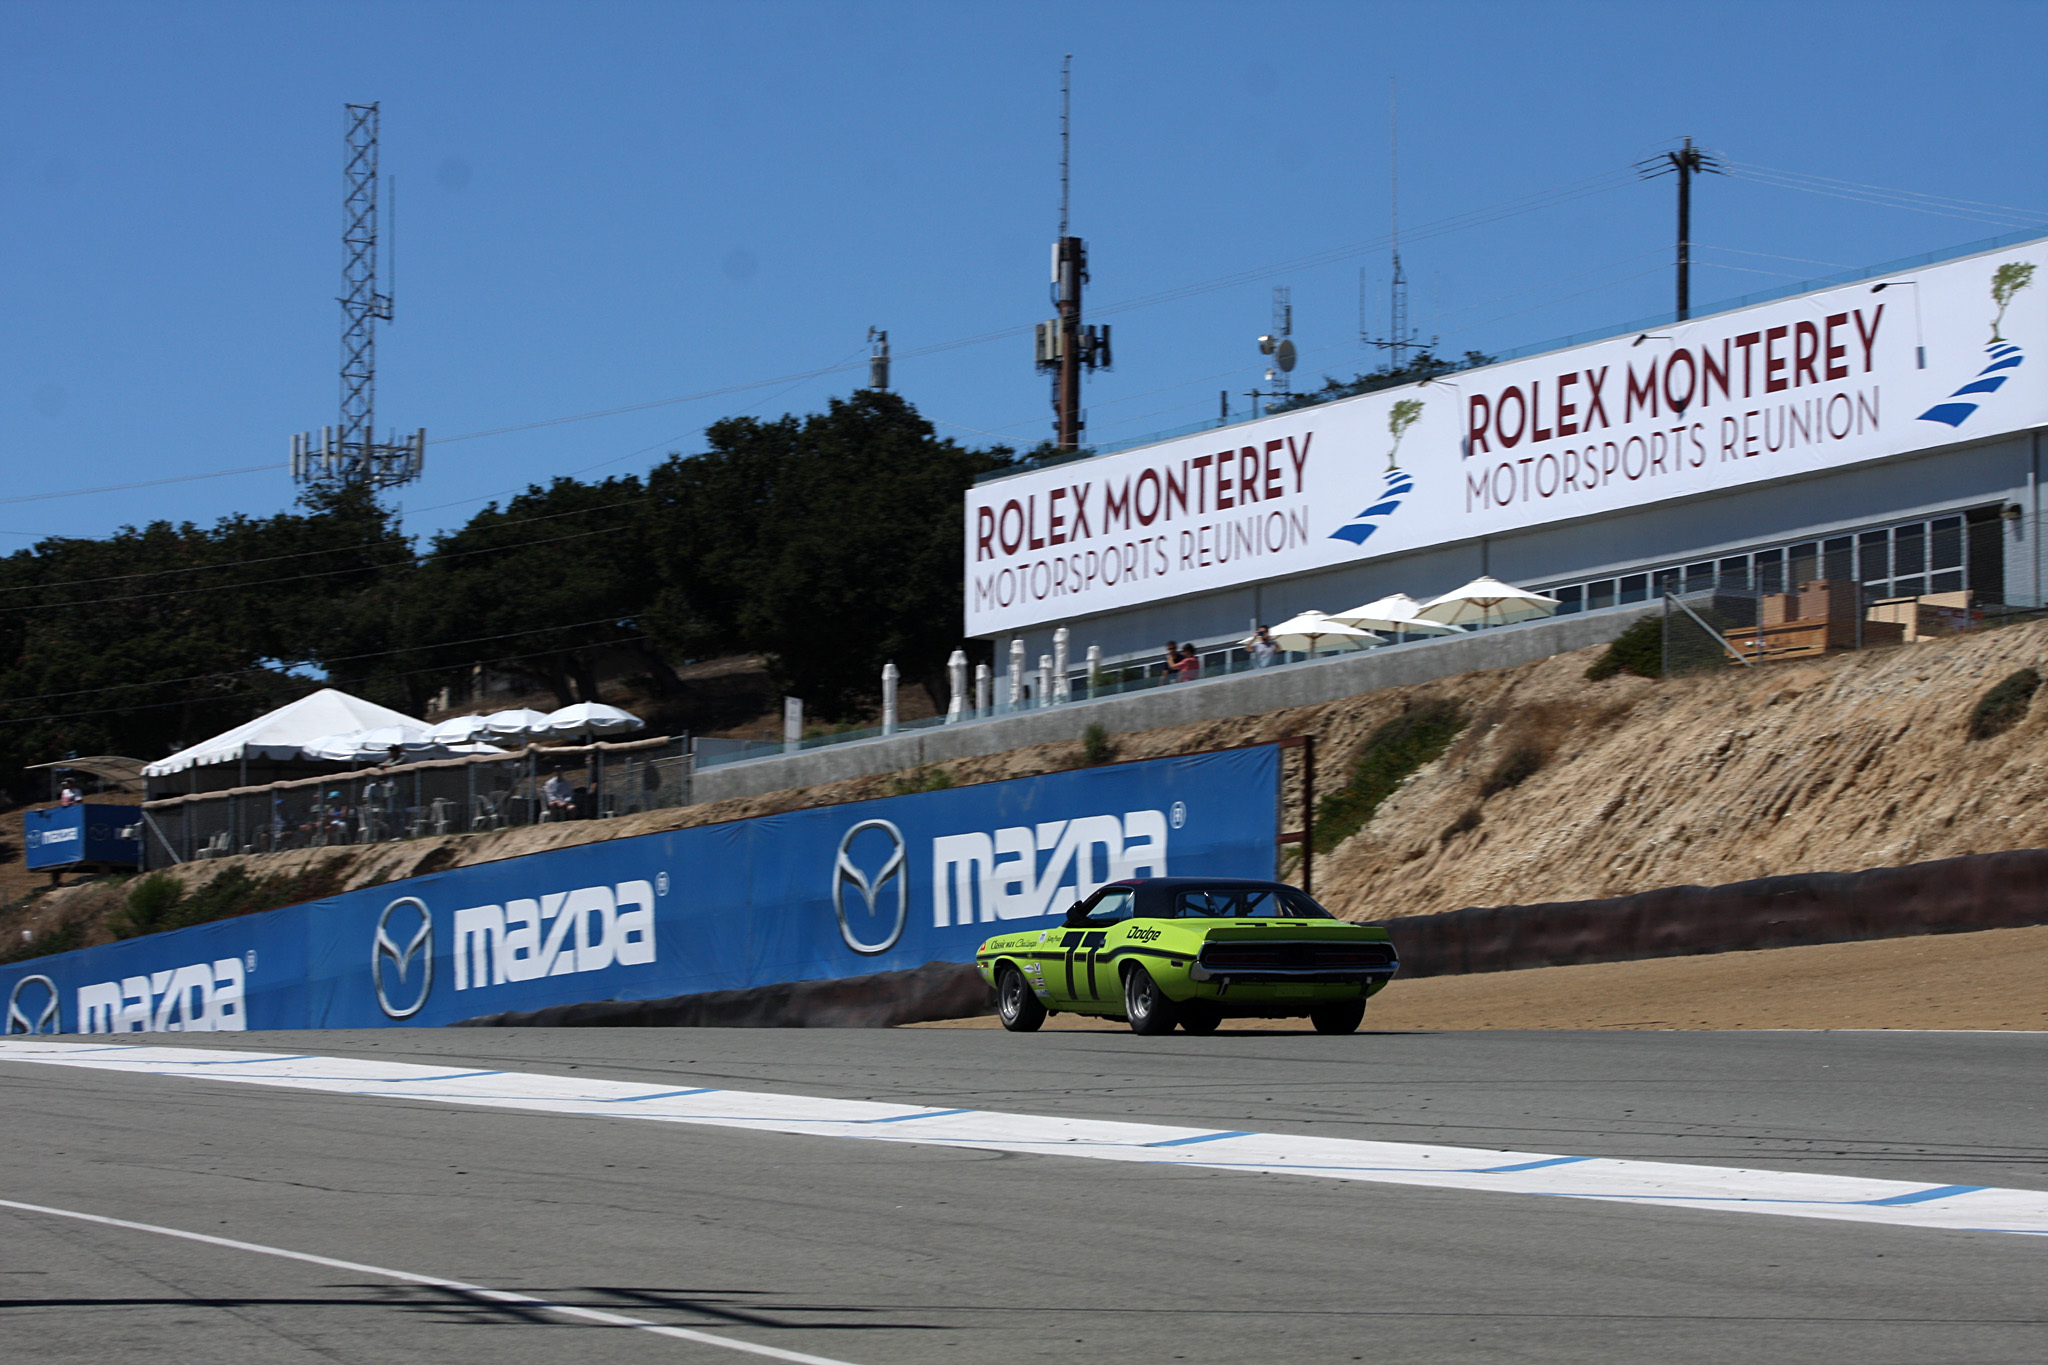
(1114, 679)
(538, 785)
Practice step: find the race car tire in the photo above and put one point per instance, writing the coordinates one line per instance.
(1197, 1016)
(1146, 1006)
(1341, 1017)
(1016, 1005)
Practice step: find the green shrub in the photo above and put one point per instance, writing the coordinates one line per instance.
(1638, 650)
(2005, 705)
(1522, 762)
(62, 939)
(921, 780)
(1095, 744)
(152, 907)
(159, 901)
(1390, 755)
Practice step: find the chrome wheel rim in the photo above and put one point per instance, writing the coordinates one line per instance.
(1013, 995)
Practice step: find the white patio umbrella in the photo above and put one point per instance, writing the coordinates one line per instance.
(1306, 631)
(411, 738)
(592, 718)
(521, 722)
(1395, 612)
(1486, 601)
(373, 745)
(461, 730)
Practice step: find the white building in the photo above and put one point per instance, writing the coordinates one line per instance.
(1883, 429)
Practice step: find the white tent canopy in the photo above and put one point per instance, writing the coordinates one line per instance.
(1486, 601)
(279, 735)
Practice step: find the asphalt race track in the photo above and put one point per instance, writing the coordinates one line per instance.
(448, 1231)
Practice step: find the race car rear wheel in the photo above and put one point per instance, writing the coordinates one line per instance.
(1145, 1005)
(1343, 1016)
(1016, 1004)
(1197, 1016)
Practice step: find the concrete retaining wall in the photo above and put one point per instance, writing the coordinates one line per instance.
(1952, 896)
(1217, 698)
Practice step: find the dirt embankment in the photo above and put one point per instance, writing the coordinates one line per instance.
(1853, 762)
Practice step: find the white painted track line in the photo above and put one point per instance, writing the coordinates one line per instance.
(1724, 1189)
(477, 1291)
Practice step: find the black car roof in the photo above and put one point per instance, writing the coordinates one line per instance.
(1178, 883)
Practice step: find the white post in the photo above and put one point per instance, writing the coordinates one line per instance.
(1016, 672)
(984, 690)
(890, 676)
(792, 724)
(1094, 668)
(1062, 690)
(1045, 680)
(956, 678)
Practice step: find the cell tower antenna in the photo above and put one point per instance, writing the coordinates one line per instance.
(349, 453)
(1279, 344)
(1400, 338)
(1064, 346)
(1066, 134)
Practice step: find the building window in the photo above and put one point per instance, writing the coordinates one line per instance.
(1770, 571)
(1911, 559)
(1834, 558)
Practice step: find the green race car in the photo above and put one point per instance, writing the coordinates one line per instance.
(1190, 951)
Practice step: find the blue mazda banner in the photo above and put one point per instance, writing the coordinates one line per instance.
(833, 891)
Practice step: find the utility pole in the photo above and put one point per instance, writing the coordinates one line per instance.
(1687, 162)
(1064, 345)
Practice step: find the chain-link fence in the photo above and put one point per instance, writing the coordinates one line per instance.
(1709, 631)
(415, 800)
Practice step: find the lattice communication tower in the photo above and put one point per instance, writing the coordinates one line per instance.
(349, 452)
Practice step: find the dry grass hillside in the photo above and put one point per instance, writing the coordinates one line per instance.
(1851, 762)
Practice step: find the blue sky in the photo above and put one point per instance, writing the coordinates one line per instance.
(606, 205)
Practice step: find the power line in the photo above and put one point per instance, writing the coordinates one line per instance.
(2001, 215)
(145, 483)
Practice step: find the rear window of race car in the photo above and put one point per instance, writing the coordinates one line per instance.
(1244, 903)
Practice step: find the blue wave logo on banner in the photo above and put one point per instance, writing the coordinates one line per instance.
(1401, 416)
(2007, 282)
(1399, 486)
(2004, 356)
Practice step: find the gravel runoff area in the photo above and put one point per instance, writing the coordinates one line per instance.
(1996, 979)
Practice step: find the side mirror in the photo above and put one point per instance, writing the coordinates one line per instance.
(1077, 914)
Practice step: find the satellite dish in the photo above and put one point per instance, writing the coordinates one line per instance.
(1266, 345)
(1283, 355)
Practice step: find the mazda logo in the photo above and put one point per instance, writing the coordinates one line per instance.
(27, 1012)
(875, 895)
(412, 965)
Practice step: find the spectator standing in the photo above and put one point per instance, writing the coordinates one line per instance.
(1262, 648)
(70, 795)
(1171, 673)
(1190, 665)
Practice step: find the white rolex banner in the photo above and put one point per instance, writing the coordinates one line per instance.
(1883, 367)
